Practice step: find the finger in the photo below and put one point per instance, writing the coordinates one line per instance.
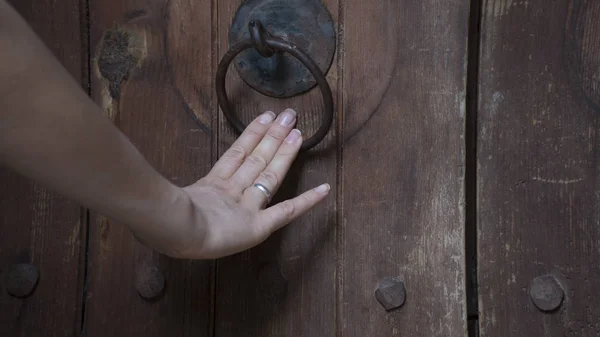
(255, 198)
(264, 152)
(275, 217)
(273, 175)
(231, 160)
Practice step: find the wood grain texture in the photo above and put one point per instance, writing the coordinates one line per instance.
(36, 225)
(538, 177)
(287, 285)
(403, 172)
(159, 58)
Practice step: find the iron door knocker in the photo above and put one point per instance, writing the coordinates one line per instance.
(267, 69)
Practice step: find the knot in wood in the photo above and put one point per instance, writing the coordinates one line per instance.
(546, 293)
(21, 279)
(149, 282)
(119, 53)
(391, 293)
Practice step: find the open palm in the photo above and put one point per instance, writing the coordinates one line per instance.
(230, 214)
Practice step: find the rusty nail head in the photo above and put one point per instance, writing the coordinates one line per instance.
(391, 293)
(546, 293)
(21, 279)
(149, 282)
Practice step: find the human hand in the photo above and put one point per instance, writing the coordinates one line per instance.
(229, 210)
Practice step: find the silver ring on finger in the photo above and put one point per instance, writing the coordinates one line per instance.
(263, 189)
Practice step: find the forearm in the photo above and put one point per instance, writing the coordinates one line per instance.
(52, 132)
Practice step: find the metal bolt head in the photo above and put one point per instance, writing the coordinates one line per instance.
(391, 293)
(149, 282)
(546, 293)
(21, 279)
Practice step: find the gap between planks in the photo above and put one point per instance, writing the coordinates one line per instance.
(474, 41)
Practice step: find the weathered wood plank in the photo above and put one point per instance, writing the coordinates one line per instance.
(287, 285)
(37, 226)
(538, 183)
(158, 94)
(403, 166)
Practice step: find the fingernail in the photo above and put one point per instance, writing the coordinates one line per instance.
(266, 118)
(287, 117)
(293, 136)
(323, 188)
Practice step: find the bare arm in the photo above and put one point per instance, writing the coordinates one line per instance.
(52, 132)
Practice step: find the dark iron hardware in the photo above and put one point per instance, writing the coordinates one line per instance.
(287, 57)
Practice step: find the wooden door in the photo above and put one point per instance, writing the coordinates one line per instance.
(395, 157)
(537, 153)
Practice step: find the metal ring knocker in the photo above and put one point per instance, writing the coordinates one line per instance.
(267, 45)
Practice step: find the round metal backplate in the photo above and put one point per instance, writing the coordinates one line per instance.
(306, 23)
